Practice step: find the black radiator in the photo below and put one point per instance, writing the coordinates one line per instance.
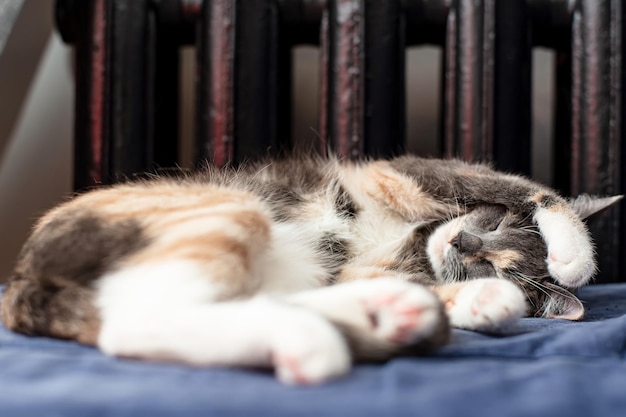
(127, 84)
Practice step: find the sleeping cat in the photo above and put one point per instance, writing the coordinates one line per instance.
(301, 264)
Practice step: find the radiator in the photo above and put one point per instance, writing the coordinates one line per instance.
(127, 84)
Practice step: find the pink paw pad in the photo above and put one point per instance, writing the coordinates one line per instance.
(292, 364)
(488, 296)
(382, 300)
(404, 329)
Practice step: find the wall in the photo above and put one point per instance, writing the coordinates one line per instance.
(35, 140)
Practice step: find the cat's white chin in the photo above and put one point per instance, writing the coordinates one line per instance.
(439, 245)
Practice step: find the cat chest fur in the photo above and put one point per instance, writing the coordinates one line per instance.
(372, 231)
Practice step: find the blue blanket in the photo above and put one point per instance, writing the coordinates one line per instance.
(541, 367)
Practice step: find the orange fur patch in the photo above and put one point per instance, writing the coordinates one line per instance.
(351, 273)
(447, 293)
(401, 194)
(221, 228)
(503, 259)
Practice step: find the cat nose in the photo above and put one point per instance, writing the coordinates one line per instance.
(467, 243)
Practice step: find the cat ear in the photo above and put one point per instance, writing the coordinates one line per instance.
(562, 304)
(586, 205)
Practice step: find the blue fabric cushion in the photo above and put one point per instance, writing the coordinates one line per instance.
(541, 367)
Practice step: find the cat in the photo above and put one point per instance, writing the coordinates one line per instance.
(301, 264)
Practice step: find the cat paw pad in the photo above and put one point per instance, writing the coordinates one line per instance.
(487, 305)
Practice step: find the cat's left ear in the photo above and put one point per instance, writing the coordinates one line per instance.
(562, 304)
(586, 205)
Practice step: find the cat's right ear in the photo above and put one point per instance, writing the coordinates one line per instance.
(586, 205)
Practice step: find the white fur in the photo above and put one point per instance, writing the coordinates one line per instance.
(570, 252)
(439, 244)
(487, 304)
(405, 312)
(377, 229)
(289, 265)
(166, 312)
(156, 284)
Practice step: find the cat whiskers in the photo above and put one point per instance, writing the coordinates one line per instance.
(457, 198)
(261, 171)
(525, 219)
(537, 285)
(531, 280)
(531, 229)
(450, 214)
(455, 205)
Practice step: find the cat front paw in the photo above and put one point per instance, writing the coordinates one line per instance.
(570, 259)
(572, 270)
(486, 305)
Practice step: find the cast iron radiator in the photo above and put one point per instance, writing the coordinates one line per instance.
(127, 84)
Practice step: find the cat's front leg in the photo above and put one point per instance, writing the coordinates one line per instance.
(485, 305)
(570, 251)
(570, 257)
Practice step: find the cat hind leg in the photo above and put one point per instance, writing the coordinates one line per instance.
(168, 312)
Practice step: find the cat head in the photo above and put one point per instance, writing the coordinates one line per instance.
(490, 241)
